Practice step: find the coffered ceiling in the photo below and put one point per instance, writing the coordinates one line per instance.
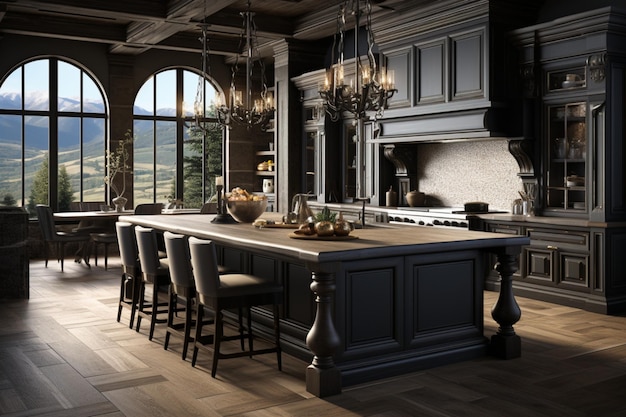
(134, 26)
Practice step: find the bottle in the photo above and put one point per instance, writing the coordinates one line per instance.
(391, 197)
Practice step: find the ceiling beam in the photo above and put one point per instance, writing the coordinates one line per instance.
(97, 9)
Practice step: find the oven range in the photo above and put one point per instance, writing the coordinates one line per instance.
(429, 216)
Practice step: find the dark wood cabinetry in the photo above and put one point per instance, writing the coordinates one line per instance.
(574, 74)
(571, 264)
(566, 157)
(558, 257)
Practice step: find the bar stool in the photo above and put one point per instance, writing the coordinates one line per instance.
(182, 287)
(154, 272)
(217, 292)
(131, 270)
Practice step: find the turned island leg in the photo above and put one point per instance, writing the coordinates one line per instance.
(322, 377)
(506, 312)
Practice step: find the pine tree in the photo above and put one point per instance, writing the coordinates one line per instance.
(39, 190)
(66, 195)
(8, 200)
(192, 171)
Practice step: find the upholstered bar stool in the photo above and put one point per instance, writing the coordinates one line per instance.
(182, 287)
(154, 272)
(131, 270)
(217, 292)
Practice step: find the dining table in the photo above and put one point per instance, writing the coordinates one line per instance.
(87, 222)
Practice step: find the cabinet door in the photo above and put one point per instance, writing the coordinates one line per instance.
(468, 65)
(313, 166)
(574, 269)
(539, 264)
(567, 155)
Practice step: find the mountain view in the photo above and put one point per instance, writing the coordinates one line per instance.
(37, 136)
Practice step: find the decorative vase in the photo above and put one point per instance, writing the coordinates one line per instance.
(119, 202)
(268, 185)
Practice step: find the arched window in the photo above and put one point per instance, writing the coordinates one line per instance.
(53, 129)
(168, 148)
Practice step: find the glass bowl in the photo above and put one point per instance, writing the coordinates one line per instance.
(247, 211)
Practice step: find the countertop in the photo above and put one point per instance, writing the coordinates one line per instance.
(370, 241)
(500, 216)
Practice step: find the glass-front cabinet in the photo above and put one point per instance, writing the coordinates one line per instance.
(566, 182)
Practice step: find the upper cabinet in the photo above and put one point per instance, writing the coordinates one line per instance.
(574, 74)
(566, 151)
(452, 69)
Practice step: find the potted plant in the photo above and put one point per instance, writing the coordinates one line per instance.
(118, 163)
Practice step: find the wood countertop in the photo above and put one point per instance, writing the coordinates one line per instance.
(371, 242)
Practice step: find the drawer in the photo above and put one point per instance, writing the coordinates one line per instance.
(559, 239)
(504, 228)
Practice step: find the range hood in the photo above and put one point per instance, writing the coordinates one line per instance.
(462, 125)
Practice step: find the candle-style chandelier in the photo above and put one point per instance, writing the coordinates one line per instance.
(199, 104)
(370, 88)
(243, 109)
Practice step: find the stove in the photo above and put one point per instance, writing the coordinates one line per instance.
(430, 216)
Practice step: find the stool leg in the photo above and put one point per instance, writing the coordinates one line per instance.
(155, 308)
(219, 332)
(106, 256)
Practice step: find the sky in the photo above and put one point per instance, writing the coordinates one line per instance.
(36, 81)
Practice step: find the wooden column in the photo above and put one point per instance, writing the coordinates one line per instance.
(506, 312)
(322, 376)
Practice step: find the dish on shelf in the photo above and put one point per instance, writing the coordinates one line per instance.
(575, 181)
(572, 84)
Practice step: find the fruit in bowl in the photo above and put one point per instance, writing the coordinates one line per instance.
(245, 207)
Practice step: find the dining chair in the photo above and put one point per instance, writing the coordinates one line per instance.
(217, 292)
(105, 239)
(154, 272)
(208, 208)
(131, 270)
(58, 238)
(101, 231)
(149, 208)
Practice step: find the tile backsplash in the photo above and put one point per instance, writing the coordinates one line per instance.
(452, 174)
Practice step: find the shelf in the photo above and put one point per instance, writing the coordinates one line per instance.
(266, 153)
(266, 173)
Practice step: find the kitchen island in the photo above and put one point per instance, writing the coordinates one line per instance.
(390, 301)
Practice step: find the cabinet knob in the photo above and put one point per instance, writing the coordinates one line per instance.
(553, 247)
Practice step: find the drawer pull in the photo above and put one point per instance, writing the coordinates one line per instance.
(553, 247)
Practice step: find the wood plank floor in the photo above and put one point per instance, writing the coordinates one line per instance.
(63, 354)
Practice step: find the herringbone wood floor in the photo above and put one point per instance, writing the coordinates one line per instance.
(63, 354)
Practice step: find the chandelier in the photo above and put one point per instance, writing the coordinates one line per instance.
(199, 104)
(241, 108)
(370, 88)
